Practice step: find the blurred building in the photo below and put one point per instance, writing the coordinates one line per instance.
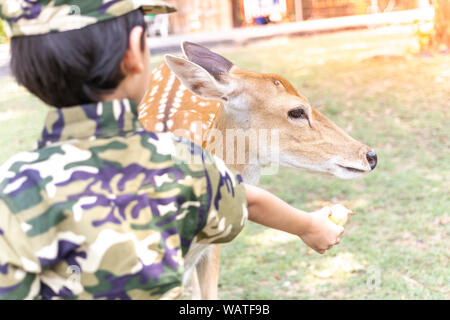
(201, 16)
(222, 15)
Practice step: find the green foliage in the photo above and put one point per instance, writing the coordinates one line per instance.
(3, 37)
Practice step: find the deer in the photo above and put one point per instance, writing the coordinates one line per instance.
(203, 91)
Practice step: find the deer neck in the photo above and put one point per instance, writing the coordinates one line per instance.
(230, 118)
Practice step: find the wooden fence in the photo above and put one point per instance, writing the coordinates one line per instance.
(222, 15)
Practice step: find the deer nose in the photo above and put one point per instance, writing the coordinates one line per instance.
(372, 158)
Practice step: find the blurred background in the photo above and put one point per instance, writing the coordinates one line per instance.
(380, 69)
(213, 15)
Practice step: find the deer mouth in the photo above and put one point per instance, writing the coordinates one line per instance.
(352, 169)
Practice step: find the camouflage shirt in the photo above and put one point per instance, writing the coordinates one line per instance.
(105, 210)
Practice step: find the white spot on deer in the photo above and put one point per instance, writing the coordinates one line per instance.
(193, 127)
(163, 101)
(180, 93)
(144, 108)
(154, 90)
(157, 76)
(170, 83)
(177, 100)
(143, 115)
(194, 98)
(159, 126)
(170, 124)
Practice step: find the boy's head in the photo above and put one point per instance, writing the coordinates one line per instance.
(80, 52)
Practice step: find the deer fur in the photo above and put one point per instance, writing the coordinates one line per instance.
(205, 88)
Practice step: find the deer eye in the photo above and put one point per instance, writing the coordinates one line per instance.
(297, 114)
(277, 83)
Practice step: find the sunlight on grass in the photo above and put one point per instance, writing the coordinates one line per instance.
(10, 87)
(270, 237)
(6, 116)
(344, 262)
(333, 269)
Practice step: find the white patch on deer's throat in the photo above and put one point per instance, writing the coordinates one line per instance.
(237, 111)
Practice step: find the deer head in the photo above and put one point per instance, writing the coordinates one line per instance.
(307, 139)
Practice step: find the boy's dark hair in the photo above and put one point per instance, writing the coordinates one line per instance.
(75, 67)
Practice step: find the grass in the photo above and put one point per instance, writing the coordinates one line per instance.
(396, 247)
(3, 37)
(21, 119)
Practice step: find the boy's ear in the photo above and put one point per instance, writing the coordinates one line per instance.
(133, 60)
(196, 78)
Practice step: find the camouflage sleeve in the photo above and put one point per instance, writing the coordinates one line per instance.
(226, 201)
(179, 201)
(16, 284)
(18, 265)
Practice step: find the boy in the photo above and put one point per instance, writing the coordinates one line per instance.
(103, 209)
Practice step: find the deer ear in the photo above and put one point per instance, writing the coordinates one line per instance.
(212, 62)
(195, 78)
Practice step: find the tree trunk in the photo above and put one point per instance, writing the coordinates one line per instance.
(441, 34)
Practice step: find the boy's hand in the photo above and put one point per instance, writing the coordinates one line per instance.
(340, 214)
(322, 234)
(315, 229)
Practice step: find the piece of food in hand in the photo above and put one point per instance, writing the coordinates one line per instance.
(339, 214)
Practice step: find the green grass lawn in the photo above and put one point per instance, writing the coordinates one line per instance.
(397, 246)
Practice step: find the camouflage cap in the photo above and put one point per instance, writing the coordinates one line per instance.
(33, 17)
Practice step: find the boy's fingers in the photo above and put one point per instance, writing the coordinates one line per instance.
(340, 231)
